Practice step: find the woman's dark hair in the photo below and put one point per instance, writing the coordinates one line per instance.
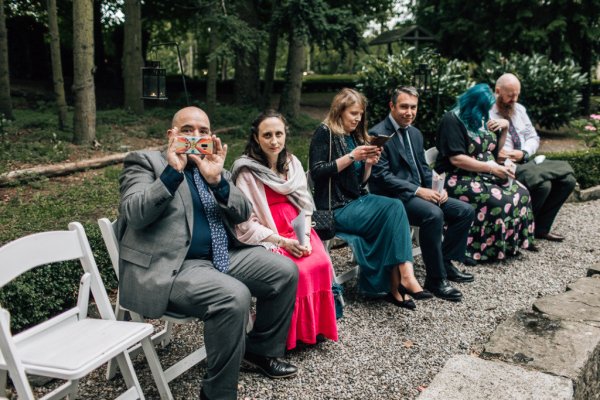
(253, 149)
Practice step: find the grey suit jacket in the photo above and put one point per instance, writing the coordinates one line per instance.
(154, 230)
(391, 175)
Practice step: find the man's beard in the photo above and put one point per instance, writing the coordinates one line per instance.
(506, 110)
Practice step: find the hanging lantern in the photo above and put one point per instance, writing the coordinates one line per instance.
(154, 81)
(422, 78)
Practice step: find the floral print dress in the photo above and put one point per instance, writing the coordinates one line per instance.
(504, 218)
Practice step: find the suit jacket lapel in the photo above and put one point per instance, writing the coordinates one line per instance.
(183, 192)
(397, 140)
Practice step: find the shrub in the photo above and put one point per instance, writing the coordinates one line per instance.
(379, 76)
(585, 163)
(551, 92)
(588, 129)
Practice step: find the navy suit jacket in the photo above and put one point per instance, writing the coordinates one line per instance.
(391, 175)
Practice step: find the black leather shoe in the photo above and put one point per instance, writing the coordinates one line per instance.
(533, 247)
(469, 262)
(422, 295)
(455, 275)
(269, 366)
(202, 395)
(553, 237)
(406, 303)
(441, 288)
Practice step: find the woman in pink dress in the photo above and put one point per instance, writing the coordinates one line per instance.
(275, 183)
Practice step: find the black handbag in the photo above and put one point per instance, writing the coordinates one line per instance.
(324, 223)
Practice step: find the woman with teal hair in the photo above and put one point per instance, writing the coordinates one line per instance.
(468, 142)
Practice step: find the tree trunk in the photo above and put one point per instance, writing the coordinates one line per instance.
(247, 66)
(5, 101)
(211, 78)
(289, 103)
(84, 119)
(132, 57)
(270, 67)
(57, 72)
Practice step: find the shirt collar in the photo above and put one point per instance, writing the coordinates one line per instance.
(395, 124)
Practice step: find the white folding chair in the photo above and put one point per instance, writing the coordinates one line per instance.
(70, 345)
(164, 335)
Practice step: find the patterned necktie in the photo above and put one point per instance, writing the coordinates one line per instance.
(514, 136)
(220, 254)
(416, 177)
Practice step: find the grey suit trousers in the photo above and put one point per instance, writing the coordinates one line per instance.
(222, 301)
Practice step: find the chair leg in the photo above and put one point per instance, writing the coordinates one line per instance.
(128, 373)
(166, 338)
(111, 368)
(3, 381)
(72, 395)
(156, 368)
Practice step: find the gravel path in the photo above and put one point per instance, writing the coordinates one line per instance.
(385, 352)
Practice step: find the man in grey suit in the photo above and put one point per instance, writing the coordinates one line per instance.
(178, 251)
(402, 172)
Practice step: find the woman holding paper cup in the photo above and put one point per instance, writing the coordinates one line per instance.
(468, 142)
(275, 183)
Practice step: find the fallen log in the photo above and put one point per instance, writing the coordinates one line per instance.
(26, 174)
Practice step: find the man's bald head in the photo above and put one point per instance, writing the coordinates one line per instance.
(190, 121)
(508, 89)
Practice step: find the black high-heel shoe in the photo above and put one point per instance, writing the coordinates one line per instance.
(422, 295)
(409, 304)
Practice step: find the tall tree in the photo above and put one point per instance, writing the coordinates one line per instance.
(289, 102)
(269, 76)
(57, 72)
(132, 56)
(5, 101)
(84, 119)
(246, 46)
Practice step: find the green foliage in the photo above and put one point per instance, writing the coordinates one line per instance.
(51, 206)
(585, 163)
(379, 76)
(588, 129)
(551, 92)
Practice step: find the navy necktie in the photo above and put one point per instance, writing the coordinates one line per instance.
(514, 136)
(220, 253)
(416, 177)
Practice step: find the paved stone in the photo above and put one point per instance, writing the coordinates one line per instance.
(586, 285)
(594, 270)
(558, 347)
(572, 306)
(466, 377)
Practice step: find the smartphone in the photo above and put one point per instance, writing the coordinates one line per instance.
(379, 141)
(193, 145)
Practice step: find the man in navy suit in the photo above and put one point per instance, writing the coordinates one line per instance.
(403, 173)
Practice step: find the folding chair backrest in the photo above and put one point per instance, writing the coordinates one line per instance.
(44, 248)
(107, 229)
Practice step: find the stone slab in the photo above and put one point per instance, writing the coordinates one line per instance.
(466, 377)
(586, 285)
(572, 306)
(559, 347)
(594, 270)
(592, 193)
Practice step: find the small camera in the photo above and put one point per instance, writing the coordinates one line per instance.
(193, 145)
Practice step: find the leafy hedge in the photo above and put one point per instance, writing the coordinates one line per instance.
(586, 164)
(551, 92)
(47, 291)
(381, 75)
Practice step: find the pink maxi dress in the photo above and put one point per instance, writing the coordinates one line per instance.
(314, 312)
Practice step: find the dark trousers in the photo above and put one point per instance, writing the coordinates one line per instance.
(547, 199)
(222, 301)
(430, 218)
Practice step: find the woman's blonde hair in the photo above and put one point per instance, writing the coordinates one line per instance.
(344, 99)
